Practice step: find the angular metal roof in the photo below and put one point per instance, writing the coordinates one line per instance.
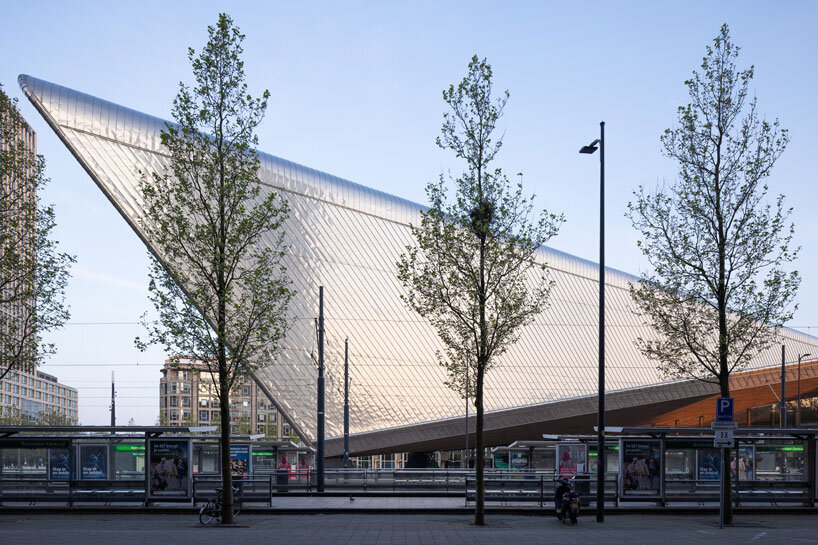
(348, 238)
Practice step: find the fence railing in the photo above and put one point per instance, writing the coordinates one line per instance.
(500, 486)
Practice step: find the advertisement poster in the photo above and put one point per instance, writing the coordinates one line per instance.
(708, 462)
(642, 467)
(93, 462)
(571, 460)
(744, 465)
(170, 467)
(519, 461)
(240, 460)
(500, 461)
(58, 464)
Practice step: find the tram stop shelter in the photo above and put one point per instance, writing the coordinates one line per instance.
(136, 464)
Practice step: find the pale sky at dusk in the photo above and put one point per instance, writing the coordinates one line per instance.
(356, 92)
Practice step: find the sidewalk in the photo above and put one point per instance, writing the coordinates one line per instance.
(370, 529)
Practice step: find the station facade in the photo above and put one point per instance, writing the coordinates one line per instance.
(348, 239)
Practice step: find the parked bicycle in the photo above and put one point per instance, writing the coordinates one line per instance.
(212, 509)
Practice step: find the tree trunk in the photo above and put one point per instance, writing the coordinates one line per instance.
(726, 477)
(224, 443)
(480, 499)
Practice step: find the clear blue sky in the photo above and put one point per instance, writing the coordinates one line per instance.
(356, 91)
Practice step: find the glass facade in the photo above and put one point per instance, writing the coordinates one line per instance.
(348, 238)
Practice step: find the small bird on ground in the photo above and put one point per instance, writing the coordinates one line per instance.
(351, 499)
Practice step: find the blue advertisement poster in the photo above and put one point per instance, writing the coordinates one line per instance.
(93, 462)
(519, 461)
(709, 464)
(170, 467)
(58, 464)
(240, 460)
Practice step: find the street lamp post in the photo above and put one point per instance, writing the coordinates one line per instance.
(798, 410)
(319, 462)
(601, 466)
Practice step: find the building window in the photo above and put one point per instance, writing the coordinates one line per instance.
(174, 402)
(185, 402)
(245, 390)
(174, 388)
(203, 416)
(174, 414)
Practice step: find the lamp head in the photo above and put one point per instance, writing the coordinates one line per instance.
(590, 148)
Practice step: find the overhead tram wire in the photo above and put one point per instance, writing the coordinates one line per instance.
(392, 320)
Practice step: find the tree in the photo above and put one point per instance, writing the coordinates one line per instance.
(13, 416)
(718, 293)
(33, 274)
(472, 270)
(220, 289)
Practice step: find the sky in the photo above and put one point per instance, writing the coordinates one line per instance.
(356, 92)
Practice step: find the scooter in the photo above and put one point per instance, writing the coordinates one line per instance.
(566, 501)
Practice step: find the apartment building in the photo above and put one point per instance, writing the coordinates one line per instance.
(37, 398)
(187, 396)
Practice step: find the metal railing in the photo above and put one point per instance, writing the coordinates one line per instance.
(500, 485)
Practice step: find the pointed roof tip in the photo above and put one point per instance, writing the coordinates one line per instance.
(27, 84)
(22, 81)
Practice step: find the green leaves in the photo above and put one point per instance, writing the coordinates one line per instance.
(33, 272)
(472, 271)
(218, 286)
(718, 290)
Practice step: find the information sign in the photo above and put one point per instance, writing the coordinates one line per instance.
(723, 438)
(724, 409)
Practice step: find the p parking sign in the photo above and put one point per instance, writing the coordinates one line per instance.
(724, 409)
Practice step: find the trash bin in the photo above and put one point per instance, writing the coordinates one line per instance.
(582, 485)
(282, 479)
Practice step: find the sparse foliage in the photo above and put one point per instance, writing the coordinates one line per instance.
(33, 274)
(220, 291)
(13, 416)
(472, 271)
(718, 291)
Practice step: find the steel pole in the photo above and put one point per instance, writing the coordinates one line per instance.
(783, 390)
(600, 470)
(319, 462)
(466, 457)
(346, 403)
(113, 401)
(798, 409)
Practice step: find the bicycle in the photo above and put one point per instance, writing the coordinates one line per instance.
(212, 508)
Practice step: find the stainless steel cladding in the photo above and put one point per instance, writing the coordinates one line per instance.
(348, 237)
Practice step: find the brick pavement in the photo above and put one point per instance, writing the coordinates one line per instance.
(366, 529)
